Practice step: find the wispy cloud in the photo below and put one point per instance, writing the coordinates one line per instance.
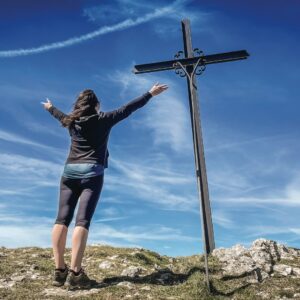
(109, 219)
(240, 143)
(15, 138)
(170, 130)
(20, 174)
(158, 12)
(13, 233)
(222, 218)
(119, 9)
(154, 232)
(153, 184)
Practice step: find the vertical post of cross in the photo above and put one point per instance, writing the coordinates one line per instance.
(207, 225)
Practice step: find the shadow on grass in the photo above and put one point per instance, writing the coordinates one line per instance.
(166, 278)
(160, 277)
(214, 291)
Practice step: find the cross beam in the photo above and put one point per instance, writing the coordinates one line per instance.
(207, 59)
(194, 63)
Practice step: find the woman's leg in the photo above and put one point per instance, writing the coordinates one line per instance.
(59, 236)
(69, 194)
(79, 238)
(91, 190)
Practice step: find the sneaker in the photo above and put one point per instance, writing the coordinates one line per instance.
(60, 276)
(79, 281)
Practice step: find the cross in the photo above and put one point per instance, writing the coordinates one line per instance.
(194, 63)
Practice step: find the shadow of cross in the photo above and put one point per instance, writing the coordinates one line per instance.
(194, 63)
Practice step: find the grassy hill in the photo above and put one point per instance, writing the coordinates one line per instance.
(137, 273)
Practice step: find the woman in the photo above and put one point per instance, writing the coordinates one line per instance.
(83, 176)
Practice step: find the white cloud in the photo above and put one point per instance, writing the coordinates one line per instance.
(109, 219)
(264, 230)
(45, 129)
(13, 233)
(26, 177)
(171, 130)
(27, 167)
(155, 232)
(158, 12)
(222, 218)
(153, 184)
(15, 138)
(169, 25)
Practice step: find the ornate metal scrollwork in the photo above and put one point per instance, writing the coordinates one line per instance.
(177, 67)
(198, 68)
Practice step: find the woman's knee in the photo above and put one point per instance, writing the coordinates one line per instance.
(83, 223)
(65, 222)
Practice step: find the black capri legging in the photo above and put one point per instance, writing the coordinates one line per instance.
(88, 189)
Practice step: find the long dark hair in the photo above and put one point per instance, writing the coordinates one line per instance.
(85, 105)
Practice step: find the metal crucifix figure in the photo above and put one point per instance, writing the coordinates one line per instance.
(194, 63)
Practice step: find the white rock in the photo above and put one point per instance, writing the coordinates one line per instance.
(263, 295)
(105, 265)
(18, 277)
(264, 275)
(297, 295)
(265, 254)
(296, 271)
(35, 276)
(5, 283)
(258, 262)
(146, 288)
(131, 271)
(127, 284)
(283, 269)
(113, 257)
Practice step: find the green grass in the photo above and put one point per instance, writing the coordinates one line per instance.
(186, 280)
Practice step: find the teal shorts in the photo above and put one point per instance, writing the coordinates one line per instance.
(83, 170)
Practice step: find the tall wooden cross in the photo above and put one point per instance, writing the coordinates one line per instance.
(193, 63)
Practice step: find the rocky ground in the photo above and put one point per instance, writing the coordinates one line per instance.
(266, 270)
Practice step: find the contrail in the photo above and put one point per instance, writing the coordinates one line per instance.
(89, 36)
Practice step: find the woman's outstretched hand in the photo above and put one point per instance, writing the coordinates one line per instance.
(47, 104)
(157, 89)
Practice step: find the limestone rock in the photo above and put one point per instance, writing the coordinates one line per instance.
(127, 284)
(258, 262)
(283, 269)
(17, 278)
(265, 254)
(296, 271)
(131, 271)
(106, 265)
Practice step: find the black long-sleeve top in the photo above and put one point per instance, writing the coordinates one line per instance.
(90, 134)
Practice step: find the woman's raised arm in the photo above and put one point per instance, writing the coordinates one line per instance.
(56, 113)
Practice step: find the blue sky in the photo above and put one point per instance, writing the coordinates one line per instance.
(249, 112)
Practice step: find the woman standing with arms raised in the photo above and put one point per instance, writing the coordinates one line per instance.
(83, 175)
